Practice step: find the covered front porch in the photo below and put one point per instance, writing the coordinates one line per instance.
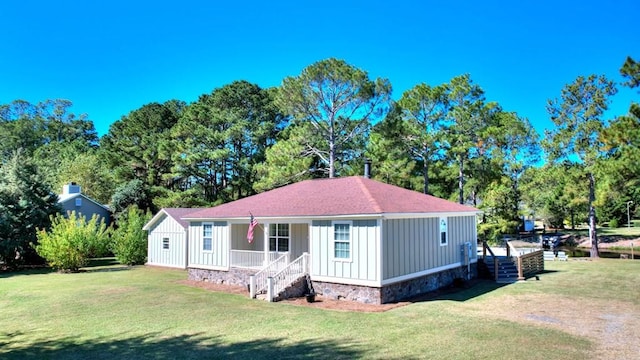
(272, 241)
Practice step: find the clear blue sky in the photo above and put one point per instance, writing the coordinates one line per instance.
(112, 57)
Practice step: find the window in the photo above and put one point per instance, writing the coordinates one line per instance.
(279, 237)
(78, 201)
(207, 237)
(165, 243)
(443, 232)
(341, 241)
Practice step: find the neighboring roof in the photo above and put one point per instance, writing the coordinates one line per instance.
(63, 198)
(175, 213)
(332, 197)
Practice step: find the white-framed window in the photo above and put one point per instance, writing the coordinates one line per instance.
(279, 237)
(342, 240)
(207, 237)
(165, 243)
(444, 232)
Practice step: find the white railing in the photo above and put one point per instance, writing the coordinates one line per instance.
(289, 274)
(260, 279)
(252, 259)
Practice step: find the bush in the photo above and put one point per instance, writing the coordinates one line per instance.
(613, 223)
(129, 241)
(72, 241)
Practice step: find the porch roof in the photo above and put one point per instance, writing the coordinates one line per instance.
(352, 195)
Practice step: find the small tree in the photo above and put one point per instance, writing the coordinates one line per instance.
(129, 241)
(72, 241)
(26, 203)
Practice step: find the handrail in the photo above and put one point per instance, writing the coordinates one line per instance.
(263, 275)
(513, 253)
(486, 247)
(289, 274)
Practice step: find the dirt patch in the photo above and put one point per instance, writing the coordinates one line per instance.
(612, 326)
(226, 288)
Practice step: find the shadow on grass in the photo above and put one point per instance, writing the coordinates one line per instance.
(469, 290)
(197, 346)
(40, 270)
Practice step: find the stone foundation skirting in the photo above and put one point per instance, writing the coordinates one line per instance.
(234, 276)
(393, 292)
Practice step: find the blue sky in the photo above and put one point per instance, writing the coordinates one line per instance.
(114, 57)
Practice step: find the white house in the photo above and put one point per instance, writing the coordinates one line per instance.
(356, 238)
(72, 199)
(168, 238)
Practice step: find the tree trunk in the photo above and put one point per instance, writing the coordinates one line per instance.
(593, 236)
(461, 180)
(425, 170)
(332, 150)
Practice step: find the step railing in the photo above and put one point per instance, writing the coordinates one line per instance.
(259, 281)
(285, 277)
(485, 248)
(528, 264)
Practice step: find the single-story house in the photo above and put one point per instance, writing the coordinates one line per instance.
(168, 238)
(72, 199)
(353, 238)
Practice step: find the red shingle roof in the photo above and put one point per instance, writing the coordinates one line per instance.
(332, 197)
(179, 213)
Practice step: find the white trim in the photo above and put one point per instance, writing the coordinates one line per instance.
(346, 281)
(303, 219)
(73, 196)
(279, 237)
(423, 273)
(446, 231)
(333, 242)
(208, 267)
(166, 265)
(202, 247)
(373, 283)
(380, 241)
(393, 216)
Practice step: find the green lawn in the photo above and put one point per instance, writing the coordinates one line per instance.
(112, 312)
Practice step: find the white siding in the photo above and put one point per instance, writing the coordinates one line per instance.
(413, 245)
(363, 264)
(218, 256)
(175, 256)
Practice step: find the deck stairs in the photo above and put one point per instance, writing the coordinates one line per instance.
(507, 269)
(286, 281)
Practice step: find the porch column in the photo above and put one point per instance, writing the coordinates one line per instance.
(266, 243)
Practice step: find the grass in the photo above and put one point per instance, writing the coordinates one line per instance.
(112, 311)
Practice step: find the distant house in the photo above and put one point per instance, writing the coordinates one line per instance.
(72, 199)
(353, 237)
(168, 238)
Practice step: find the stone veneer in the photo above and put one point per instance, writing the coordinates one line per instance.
(234, 276)
(393, 292)
(369, 295)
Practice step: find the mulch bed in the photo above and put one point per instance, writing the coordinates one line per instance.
(331, 304)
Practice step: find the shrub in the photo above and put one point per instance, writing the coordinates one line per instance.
(129, 241)
(72, 241)
(613, 223)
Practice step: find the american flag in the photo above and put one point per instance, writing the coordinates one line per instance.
(252, 224)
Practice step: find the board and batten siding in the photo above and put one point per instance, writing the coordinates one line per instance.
(413, 245)
(175, 256)
(218, 256)
(363, 264)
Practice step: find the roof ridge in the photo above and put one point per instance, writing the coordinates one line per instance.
(376, 206)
